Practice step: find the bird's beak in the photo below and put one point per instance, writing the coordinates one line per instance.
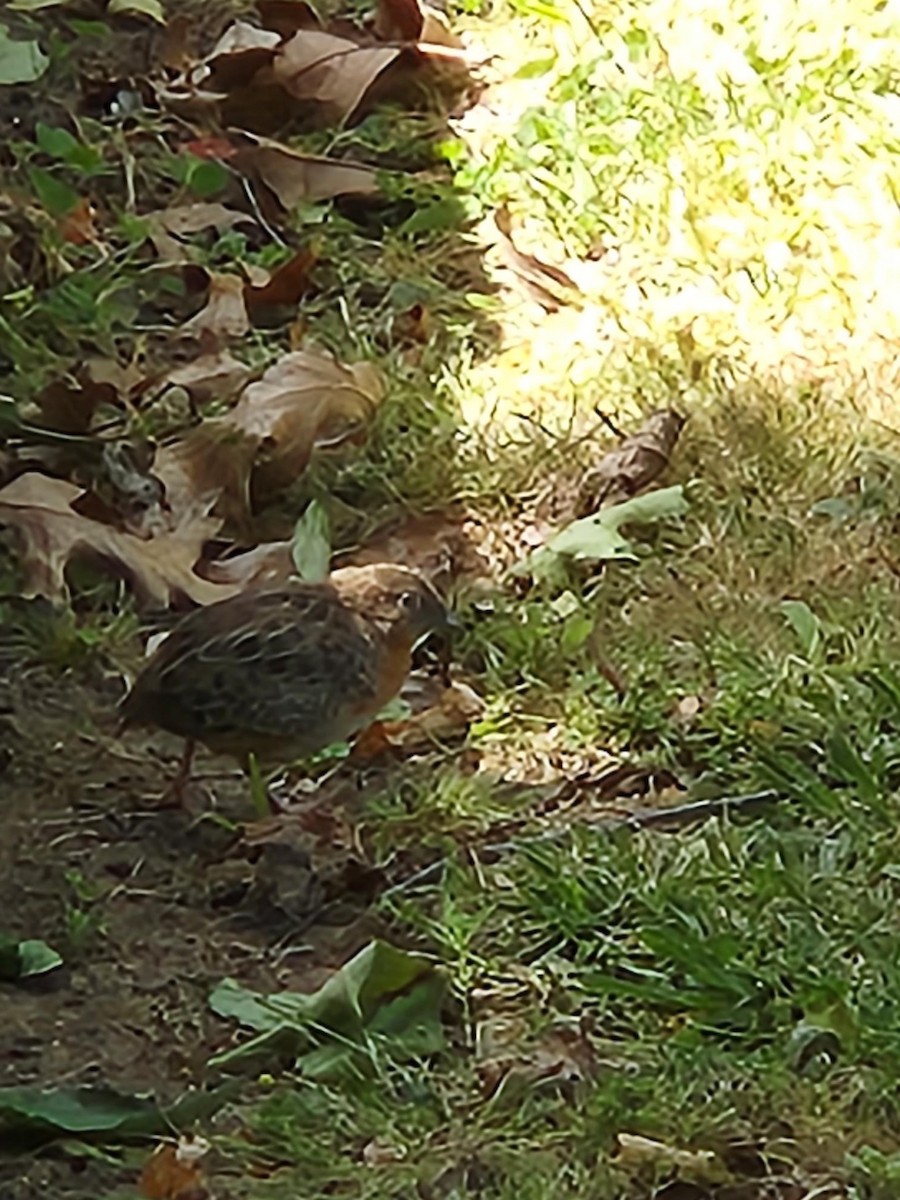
(452, 621)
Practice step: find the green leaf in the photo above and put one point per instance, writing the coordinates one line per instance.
(20, 62)
(47, 1113)
(34, 5)
(311, 545)
(59, 143)
(57, 197)
(37, 958)
(206, 178)
(805, 624)
(599, 536)
(19, 960)
(383, 996)
(138, 8)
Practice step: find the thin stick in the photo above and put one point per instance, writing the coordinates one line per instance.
(644, 818)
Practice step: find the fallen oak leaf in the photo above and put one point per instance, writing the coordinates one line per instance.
(295, 178)
(215, 374)
(330, 71)
(69, 403)
(210, 465)
(52, 534)
(634, 464)
(307, 400)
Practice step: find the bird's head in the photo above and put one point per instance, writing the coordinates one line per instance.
(400, 600)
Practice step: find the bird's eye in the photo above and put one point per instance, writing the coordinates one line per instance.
(408, 600)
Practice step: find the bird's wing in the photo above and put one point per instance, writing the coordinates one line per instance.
(272, 663)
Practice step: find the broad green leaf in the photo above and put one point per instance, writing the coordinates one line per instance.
(805, 624)
(34, 5)
(383, 993)
(598, 537)
(138, 8)
(47, 1113)
(311, 545)
(20, 62)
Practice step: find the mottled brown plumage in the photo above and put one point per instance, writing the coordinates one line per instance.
(281, 673)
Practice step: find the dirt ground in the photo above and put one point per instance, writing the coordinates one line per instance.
(150, 909)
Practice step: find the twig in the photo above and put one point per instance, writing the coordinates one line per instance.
(644, 818)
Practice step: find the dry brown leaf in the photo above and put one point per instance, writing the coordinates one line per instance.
(635, 1151)
(215, 375)
(69, 404)
(77, 227)
(543, 282)
(633, 465)
(161, 571)
(303, 178)
(564, 1057)
(446, 715)
(167, 225)
(288, 283)
(331, 71)
(306, 401)
(211, 465)
(267, 565)
(287, 16)
(398, 20)
(240, 53)
(175, 1172)
(436, 32)
(224, 316)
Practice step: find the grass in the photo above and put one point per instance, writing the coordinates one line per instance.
(722, 183)
(736, 173)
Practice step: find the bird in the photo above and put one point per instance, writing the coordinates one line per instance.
(283, 672)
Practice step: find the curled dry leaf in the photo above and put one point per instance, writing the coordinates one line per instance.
(398, 20)
(564, 1057)
(304, 402)
(331, 71)
(285, 286)
(52, 534)
(224, 315)
(169, 224)
(634, 465)
(268, 565)
(703, 1165)
(303, 178)
(446, 715)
